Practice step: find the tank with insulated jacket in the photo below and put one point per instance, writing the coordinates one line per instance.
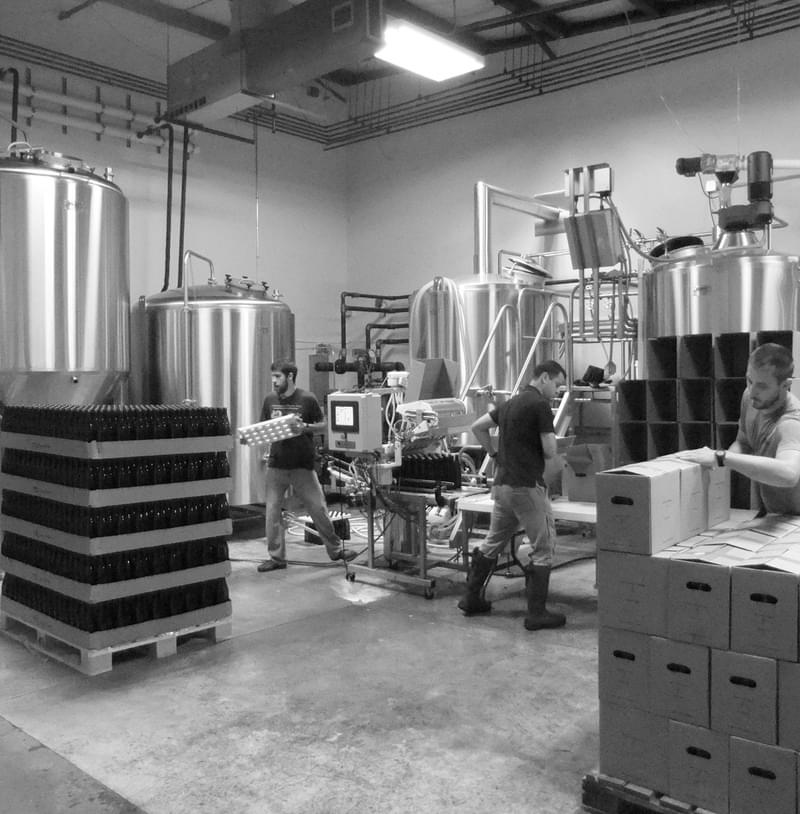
(215, 347)
(64, 294)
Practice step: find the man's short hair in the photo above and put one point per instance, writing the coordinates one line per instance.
(551, 367)
(286, 367)
(774, 356)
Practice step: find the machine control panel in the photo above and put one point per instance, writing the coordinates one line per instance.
(356, 420)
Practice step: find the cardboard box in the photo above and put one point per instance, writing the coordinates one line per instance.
(789, 705)
(764, 608)
(634, 746)
(582, 462)
(679, 680)
(717, 485)
(744, 696)
(638, 508)
(624, 667)
(699, 603)
(762, 778)
(693, 514)
(632, 592)
(705, 495)
(698, 766)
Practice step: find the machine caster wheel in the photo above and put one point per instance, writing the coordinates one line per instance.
(350, 577)
(429, 593)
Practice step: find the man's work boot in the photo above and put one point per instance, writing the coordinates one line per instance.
(345, 554)
(537, 583)
(478, 576)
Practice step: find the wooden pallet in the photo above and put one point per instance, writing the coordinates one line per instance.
(609, 795)
(93, 662)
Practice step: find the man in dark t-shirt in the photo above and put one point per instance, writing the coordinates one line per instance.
(291, 464)
(525, 440)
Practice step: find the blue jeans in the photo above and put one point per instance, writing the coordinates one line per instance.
(307, 488)
(526, 507)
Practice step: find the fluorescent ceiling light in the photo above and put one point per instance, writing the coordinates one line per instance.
(422, 52)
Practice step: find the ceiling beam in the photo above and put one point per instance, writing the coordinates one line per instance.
(598, 24)
(647, 8)
(542, 29)
(184, 20)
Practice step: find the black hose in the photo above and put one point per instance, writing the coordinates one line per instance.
(170, 163)
(182, 228)
(14, 100)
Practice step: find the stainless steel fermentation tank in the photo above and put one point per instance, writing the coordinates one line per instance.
(64, 300)
(738, 286)
(453, 319)
(485, 324)
(214, 344)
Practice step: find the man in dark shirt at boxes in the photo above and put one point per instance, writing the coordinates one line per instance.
(525, 441)
(767, 445)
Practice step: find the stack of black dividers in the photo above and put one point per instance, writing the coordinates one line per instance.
(115, 520)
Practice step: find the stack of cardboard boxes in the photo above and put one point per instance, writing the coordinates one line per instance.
(699, 679)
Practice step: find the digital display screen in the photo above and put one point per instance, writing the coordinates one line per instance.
(345, 416)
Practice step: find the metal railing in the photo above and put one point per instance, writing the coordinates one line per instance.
(562, 412)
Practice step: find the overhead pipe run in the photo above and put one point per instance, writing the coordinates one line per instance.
(385, 326)
(346, 309)
(99, 129)
(69, 120)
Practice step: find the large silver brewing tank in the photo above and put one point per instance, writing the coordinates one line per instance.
(64, 301)
(736, 287)
(452, 319)
(235, 331)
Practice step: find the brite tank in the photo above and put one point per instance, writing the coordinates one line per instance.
(738, 286)
(64, 334)
(452, 319)
(235, 330)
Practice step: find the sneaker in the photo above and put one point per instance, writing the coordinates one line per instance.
(345, 554)
(271, 565)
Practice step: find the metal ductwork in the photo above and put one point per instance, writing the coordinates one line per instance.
(293, 47)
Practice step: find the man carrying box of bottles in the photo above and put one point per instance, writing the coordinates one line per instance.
(291, 464)
(767, 446)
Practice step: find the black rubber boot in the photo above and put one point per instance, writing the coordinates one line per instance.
(480, 572)
(537, 583)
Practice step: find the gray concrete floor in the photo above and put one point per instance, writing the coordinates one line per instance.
(330, 697)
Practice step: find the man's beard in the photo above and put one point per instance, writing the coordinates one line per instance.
(770, 404)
